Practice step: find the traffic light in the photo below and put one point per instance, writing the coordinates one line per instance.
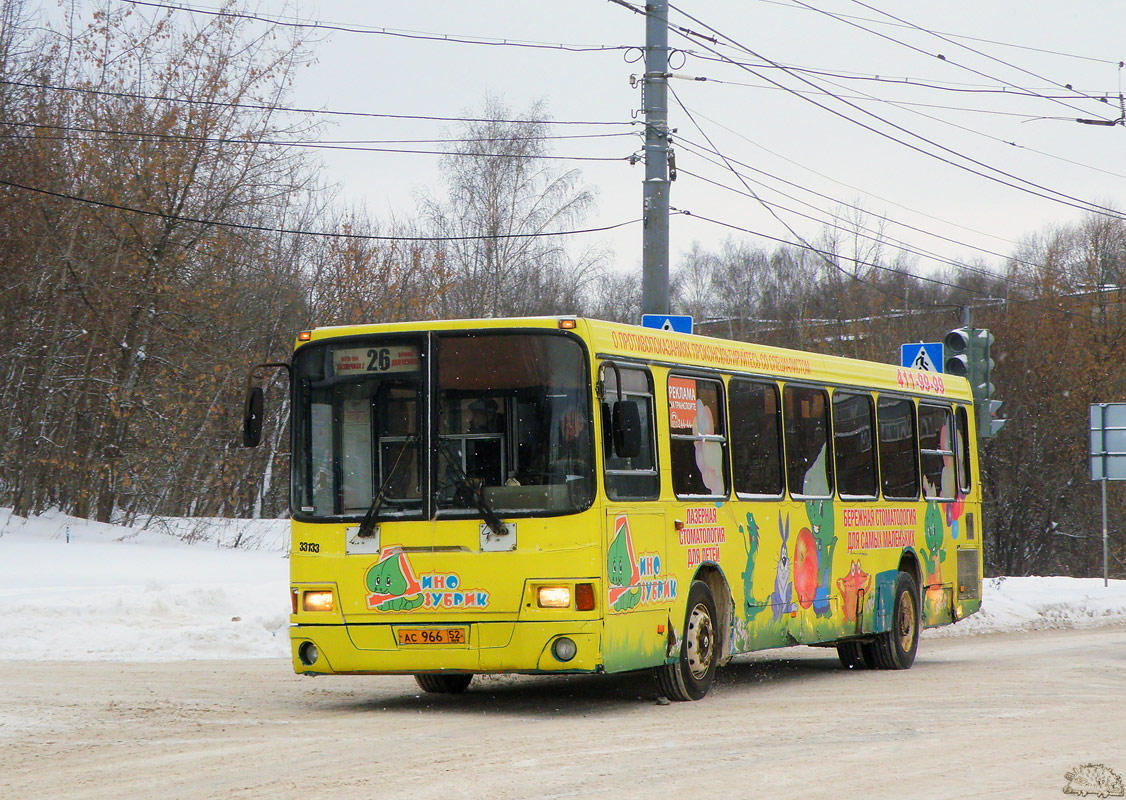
(957, 345)
(968, 356)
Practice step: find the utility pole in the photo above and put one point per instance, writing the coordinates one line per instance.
(655, 190)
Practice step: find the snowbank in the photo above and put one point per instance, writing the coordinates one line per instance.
(74, 590)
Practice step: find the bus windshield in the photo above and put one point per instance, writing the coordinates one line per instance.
(505, 426)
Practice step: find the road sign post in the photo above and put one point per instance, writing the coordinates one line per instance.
(1108, 456)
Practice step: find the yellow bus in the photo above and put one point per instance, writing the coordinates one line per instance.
(563, 495)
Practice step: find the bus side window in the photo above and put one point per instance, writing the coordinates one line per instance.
(962, 429)
(936, 452)
(697, 440)
(898, 468)
(854, 444)
(633, 478)
(756, 438)
(808, 468)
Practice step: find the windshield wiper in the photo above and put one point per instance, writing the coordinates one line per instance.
(461, 481)
(367, 527)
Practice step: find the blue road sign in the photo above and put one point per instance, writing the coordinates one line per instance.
(921, 355)
(680, 323)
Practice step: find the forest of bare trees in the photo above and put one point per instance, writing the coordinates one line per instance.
(156, 242)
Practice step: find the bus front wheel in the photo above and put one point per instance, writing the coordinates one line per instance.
(444, 684)
(690, 677)
(896, 648)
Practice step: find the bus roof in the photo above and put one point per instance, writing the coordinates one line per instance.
(651, 345)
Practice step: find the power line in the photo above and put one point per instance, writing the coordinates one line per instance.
(1036, 189)
(295, 110)
(765, 205)
(379, 31)
(877, 236)
(299, 232)
(821, 175)
(133, 136)
(770, 208)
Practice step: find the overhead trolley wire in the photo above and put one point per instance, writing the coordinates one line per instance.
(960, 36)
(947, 39)
(1031, 187)
(912, 106)
(922, 83)
(944, 58)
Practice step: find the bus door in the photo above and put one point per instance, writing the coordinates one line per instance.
(639, 587)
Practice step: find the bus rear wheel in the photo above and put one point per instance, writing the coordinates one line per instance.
(896, 648)
(444, 684)
(690, 677)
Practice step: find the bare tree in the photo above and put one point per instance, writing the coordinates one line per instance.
(497, 218)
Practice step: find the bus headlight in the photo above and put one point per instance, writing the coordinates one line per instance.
(317, 601)
(553, 597)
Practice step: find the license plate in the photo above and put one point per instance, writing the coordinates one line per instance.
(431, 635)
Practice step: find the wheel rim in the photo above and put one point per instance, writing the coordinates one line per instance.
(906, 627)
(700, 641)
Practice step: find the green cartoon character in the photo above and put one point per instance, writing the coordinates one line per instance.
(934, 553)
(390, 579)
(622, 568)
(750, 532)
(821, 520)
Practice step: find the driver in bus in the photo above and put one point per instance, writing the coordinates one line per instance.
(572, 453)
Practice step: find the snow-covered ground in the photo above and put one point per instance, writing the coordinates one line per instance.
(73, 590)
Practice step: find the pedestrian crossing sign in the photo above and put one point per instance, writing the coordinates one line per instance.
(926, 356)
(680, 323)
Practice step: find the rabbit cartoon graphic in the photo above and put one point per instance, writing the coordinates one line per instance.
(781, 600)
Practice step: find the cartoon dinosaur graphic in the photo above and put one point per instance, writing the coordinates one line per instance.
(821, 518)
(781, 600)
(622, 568)
(851, 586)
(934, 553)
(750, 531)
(390, 581)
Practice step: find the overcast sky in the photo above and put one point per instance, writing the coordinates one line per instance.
(781, 133)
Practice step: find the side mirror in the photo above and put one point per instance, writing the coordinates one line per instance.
(252, 419)
(627, 429)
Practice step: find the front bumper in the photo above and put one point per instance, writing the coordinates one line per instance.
(524, 647)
